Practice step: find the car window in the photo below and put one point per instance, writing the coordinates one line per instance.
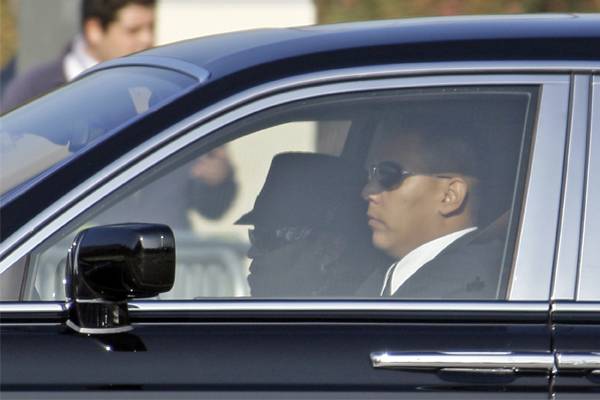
(59, 125)
(413, 194)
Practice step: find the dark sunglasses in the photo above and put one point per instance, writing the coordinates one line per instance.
(271, 239)
(390, 175)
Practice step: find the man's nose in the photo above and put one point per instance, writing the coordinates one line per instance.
(371, 189)
(146, 38)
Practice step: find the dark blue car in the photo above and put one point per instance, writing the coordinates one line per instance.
(127, 269)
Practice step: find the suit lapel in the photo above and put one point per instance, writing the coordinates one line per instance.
(445, 275)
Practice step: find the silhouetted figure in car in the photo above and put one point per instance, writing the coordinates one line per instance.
(310, 236)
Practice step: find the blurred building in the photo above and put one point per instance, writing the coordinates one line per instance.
(43, 29)
(184, 19)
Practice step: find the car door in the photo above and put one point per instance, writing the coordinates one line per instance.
(210, 337)
(575, 313)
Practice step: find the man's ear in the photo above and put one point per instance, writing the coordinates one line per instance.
(93, 32)
(454, 198)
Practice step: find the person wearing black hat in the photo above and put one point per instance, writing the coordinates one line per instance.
(310, 235)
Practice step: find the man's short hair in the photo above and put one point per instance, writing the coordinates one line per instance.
(447, 142)
(106, 10)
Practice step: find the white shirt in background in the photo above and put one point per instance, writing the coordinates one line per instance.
(77, 60)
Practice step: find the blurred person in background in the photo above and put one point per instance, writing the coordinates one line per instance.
(109, 29)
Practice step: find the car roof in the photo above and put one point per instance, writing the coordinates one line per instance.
(520, 37)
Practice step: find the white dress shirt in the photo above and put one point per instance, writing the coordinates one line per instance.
(77, 60)
(408, 265)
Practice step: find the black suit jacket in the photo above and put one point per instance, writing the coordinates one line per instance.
(33, 83)
(467, 269)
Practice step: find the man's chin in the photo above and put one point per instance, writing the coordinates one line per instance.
(380, 241)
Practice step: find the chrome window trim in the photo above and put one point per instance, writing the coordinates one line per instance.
(169, 63)
(534, 256)
(578, 361)
(567, 253)
(589, 263)
(575, 307)
(332, 305)
(42, 226)
(303, 305)
(49, 307)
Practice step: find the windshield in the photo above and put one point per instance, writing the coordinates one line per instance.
(44, 132)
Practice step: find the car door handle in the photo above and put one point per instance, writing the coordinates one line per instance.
(578, 361)
(477, 362)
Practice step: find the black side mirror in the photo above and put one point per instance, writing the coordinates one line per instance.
(107, 265)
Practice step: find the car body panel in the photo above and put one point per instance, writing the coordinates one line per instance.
(589, 255)
(576, 343)
(289, 351)
(567, 256)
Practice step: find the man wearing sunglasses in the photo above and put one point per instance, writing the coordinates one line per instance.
(425, 187)
(310, 235)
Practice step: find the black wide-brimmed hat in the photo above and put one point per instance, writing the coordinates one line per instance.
(309, 190)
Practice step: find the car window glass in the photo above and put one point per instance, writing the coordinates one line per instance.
(56, 126)
(407, 193)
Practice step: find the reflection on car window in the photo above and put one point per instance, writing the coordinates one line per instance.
(39, 152)
(303, 201)
(64, 122)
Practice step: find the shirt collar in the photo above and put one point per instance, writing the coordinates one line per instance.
(408, 265)
(77, 60)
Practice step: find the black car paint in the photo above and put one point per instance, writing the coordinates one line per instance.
(576, 332)
(233, 351)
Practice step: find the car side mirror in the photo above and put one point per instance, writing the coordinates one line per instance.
(107, 265)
